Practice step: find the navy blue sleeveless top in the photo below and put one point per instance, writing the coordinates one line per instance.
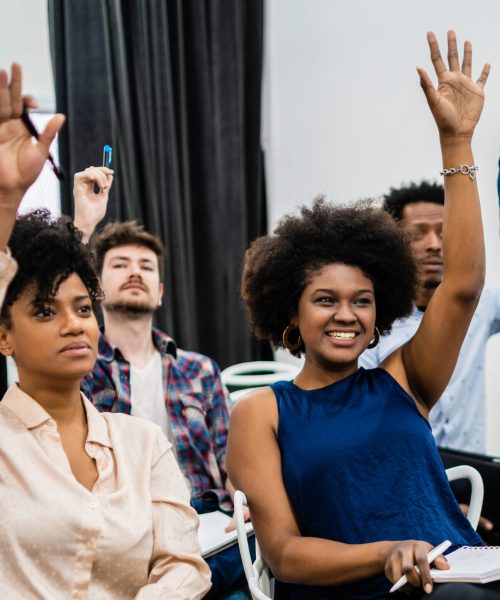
(360, 465)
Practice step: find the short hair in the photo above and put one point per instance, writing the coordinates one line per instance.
(278, 266)
(398, 198)
(47, 252)
(124, 234)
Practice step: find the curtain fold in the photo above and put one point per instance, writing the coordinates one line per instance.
(174, 86)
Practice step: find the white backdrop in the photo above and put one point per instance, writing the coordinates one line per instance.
(344, 114)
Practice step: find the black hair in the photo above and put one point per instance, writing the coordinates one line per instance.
(47, 252)
(398, 198)
(278, 266)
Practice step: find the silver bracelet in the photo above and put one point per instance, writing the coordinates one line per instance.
(469, 170)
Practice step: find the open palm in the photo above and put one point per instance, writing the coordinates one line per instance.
(458, 101)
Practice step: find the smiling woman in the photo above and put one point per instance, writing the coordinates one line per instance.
(93, 505)
(345, 485)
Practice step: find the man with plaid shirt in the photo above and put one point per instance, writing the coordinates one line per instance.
(141, 371)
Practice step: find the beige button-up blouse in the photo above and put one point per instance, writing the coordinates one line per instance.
(133, 536)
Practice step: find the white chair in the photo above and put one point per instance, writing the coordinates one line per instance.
(257, 373)
(477, 490)
(244, 377)
(258, 574)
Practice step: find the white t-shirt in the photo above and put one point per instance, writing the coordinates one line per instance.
(146, 393)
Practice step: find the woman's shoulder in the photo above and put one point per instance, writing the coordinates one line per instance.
(259, 403)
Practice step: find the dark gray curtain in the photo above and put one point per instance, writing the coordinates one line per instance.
(174, 86)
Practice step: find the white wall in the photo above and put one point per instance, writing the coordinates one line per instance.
(24, 36)
(345, 116)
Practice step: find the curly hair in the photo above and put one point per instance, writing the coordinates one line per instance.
(47, 252)
(398, 198)
(277, 267)
(124, 234)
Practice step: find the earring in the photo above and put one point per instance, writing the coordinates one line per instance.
(375, 339)
(292, 346)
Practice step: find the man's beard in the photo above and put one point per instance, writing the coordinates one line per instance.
(431, 284)
(130, 310)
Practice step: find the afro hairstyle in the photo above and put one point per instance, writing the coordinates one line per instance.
(47, 252)
(278, 266)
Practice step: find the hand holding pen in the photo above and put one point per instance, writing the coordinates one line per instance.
(433, 555)
(21, 157)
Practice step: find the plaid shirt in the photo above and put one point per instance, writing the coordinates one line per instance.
(196, 402)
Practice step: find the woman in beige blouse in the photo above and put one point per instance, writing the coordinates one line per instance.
(92, 505)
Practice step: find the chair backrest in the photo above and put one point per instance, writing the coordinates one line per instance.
(477, 490)
(258, 574)
(257, 373)
(489, 469)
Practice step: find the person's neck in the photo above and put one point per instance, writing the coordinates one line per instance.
(424, 296)
(132, 336)
(315, 375)
(61, 399)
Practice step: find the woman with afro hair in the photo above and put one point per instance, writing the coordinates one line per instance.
(93, 505)
(345, 486)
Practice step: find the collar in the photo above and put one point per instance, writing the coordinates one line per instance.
(32, 414)
(163, 343)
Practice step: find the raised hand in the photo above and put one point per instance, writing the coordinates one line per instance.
(21, 159)
(90, 207)
(457, 102)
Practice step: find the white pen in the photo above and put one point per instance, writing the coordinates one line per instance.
(433, 554)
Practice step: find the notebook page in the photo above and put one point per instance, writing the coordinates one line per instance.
(480, 561)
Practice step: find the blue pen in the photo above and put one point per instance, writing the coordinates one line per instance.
(107, 156)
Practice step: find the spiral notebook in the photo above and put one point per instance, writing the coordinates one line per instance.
(472, 564)
(212, 536)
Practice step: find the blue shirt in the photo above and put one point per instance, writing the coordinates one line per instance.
(458, 420)
(360, 465)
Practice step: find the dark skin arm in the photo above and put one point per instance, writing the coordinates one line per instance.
(253, 456)
(21, 160)
(456, 105)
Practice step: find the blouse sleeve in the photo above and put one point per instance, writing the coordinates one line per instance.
(8, 269)
(177, 570)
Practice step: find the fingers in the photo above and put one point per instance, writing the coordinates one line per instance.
(16, 90)
(453, 60)
(467, 60)
(5, 108)
(436, 59)
(441, 563)
(422, 562)
(485, 524)
(231, 526)
(49, 133)
(484, 75)
(102, 176)
(29, 101)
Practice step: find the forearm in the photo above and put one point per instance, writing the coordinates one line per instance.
(320, 562)
(463, 240)
(9, 203)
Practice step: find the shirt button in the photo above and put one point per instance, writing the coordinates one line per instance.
(93, 504)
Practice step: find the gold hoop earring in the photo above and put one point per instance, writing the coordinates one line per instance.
(375, 339)
(292, 346)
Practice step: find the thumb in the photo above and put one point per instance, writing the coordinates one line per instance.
(427, 87)
(49, 133)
